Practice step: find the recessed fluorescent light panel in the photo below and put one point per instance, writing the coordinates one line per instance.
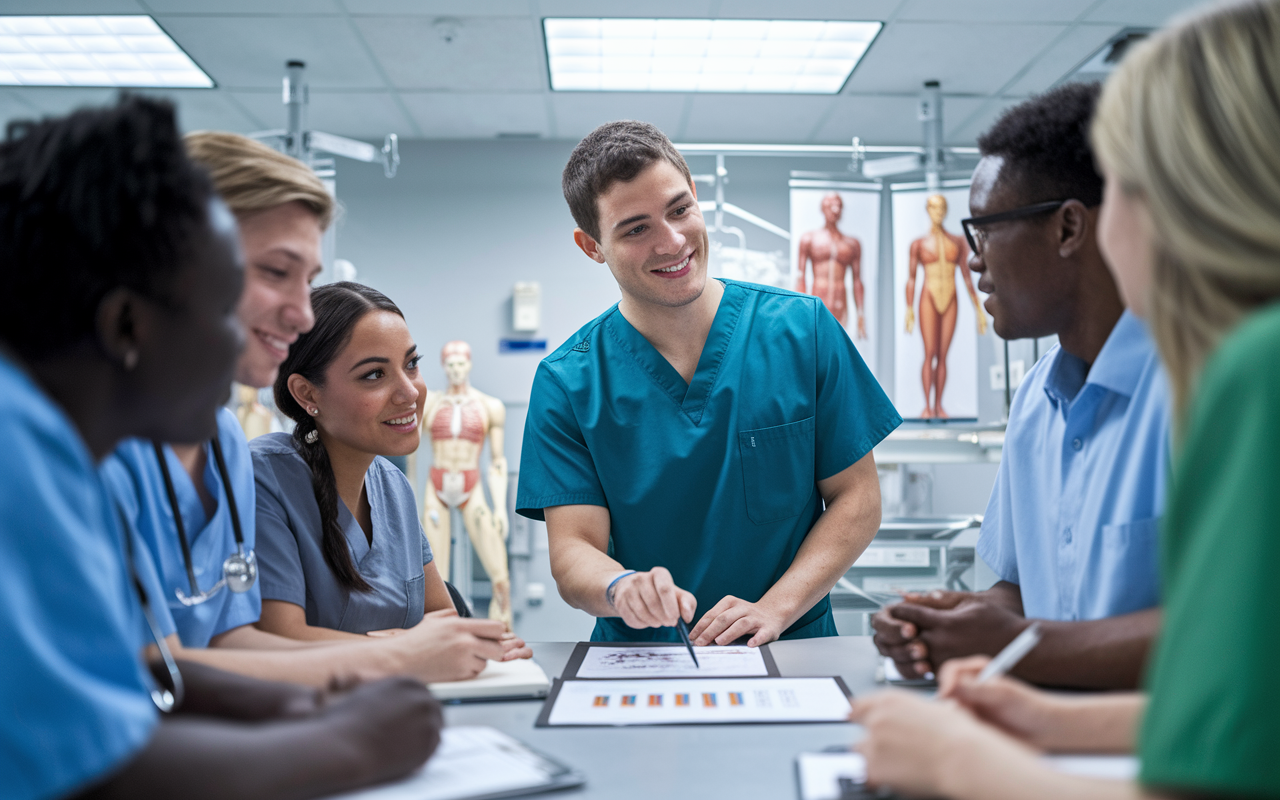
(704, 55)
(93, 51)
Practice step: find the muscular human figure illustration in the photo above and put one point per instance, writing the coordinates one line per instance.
(832, 253)
(939, 252)
(457, 421)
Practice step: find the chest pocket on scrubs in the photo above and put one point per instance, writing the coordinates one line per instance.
(416, 590)
(777, 470)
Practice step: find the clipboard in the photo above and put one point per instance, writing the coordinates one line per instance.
(574, 666)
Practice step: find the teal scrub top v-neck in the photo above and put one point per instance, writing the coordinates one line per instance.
(716, 480)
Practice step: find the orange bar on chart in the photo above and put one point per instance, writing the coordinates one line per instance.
(601, 700)
(682, 700)
(735, 698)
(709, 699)
(655, 699)
(628, 700)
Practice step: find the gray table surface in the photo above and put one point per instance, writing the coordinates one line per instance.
(693, 761)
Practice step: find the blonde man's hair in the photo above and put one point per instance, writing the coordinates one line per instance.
(249, 176)
(1190, 123)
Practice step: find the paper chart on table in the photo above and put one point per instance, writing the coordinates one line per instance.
(665, 661)
(676, 701)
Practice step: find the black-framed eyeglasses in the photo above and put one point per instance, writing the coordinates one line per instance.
(977, 237)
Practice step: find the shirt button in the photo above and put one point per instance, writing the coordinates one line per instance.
(1076, 444)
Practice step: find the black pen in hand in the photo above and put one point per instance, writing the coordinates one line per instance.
(684, 637)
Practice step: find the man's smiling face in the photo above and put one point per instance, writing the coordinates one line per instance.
(653, 237)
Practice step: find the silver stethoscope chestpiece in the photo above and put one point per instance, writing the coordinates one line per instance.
(240, 571)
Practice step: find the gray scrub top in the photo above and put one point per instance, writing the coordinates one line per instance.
(291, 565)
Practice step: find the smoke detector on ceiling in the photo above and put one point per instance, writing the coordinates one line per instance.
(447, 28)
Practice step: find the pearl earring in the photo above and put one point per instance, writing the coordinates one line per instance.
(312, 437)
(314, 411)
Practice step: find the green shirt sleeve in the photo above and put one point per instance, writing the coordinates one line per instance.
(1213, 722)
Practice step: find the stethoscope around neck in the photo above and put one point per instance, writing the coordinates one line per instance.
(240, 570)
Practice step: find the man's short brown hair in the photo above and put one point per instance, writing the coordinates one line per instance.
(616, 151)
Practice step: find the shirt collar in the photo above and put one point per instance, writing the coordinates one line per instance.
(1117, 368)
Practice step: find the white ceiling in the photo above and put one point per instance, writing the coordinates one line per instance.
(378, 66)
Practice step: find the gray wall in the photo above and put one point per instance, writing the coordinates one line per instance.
(463, 221)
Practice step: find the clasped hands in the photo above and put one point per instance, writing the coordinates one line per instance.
(652, 600)
(927, 629)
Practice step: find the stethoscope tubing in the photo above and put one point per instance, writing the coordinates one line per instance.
(232, 509)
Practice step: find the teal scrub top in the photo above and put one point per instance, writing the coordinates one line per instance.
(716, 480)
(133, 477)
(75, 696)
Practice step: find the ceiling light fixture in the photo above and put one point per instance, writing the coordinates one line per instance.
(94, 51)
(704, 55)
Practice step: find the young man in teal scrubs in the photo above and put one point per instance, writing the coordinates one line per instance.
(682, 446)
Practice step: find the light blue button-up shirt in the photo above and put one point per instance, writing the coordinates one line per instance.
(1074, 513)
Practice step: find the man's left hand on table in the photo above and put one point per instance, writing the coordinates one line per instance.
(732, 618)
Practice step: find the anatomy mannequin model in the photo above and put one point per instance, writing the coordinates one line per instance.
(457, 421)
(939, 252)
(831, 253)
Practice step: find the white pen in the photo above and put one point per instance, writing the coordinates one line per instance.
(1011, 654)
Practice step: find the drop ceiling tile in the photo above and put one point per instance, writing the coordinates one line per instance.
(1004, 11)
(441, 8)
(888, 120)
(358, 115)
(73, 7)
(250, 52)
(965, 124)
(1150, 13)
(14, 107)
(754, 118)
(442, 115)
(198, 109)
(1061, 57)
(487, 54)
(58, 100)
(808, 9)
(968, 59)
(595, 8)
(291, 7)
(579, 113)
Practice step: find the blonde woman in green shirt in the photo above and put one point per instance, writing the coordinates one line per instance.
(1188, 137)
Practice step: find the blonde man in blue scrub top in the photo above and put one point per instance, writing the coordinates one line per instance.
(682, 446)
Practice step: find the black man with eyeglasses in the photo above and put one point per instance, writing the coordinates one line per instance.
(1071, 526)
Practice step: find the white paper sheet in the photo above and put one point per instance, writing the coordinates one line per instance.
(699, 700)
(820, 773)
(671, 662)
(470, 762)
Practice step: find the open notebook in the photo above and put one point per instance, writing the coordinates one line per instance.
(521, 679)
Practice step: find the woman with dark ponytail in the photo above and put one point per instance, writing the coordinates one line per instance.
(342, 551)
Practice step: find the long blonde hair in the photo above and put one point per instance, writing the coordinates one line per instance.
(249, 176)
(1190, 122)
